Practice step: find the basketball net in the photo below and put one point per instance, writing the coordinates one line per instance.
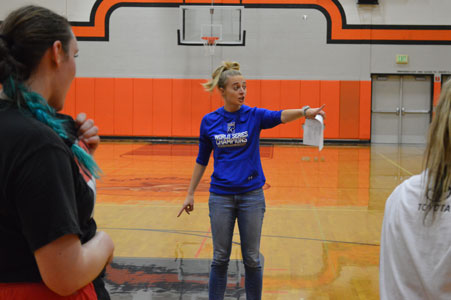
(210, 44)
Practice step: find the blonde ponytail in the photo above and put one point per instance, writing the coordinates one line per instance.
(438, 151)
(220, 75)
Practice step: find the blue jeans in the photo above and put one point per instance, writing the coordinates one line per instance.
(248, 209)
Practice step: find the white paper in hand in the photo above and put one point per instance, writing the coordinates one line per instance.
(314, 132)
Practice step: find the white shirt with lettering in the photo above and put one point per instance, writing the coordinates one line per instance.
(415, 257)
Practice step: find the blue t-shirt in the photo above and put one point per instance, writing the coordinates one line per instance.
(235, 139)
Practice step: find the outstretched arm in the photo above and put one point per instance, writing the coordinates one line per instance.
(198, 172)
(289, 115)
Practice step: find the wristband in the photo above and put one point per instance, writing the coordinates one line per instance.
(304, 110)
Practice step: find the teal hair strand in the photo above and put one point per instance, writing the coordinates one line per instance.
(46, 114)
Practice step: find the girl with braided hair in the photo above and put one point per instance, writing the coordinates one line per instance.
(50, 247)
(232, 132)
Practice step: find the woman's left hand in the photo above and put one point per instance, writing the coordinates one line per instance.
(87, 132)
(312, 112)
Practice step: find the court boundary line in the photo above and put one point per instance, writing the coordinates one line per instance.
(395, 164)
(184, 232)
(363, 209)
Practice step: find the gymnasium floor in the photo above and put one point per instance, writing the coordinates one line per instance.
(320, 235)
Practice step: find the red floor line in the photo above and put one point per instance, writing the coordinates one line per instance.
(275, 292)
(202, 245)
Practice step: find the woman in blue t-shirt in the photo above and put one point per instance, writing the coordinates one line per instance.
(233, 133)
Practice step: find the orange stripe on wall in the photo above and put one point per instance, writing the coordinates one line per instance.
(253, 94)
(98, 29)
(216, 100)
(84, 96)
(349, 109)
(310, 95)
(142, 107)
(123, 106)
(437, 91)
(175, 107)
(330, 95)
(201, 104)
(270, 99)
(365, 110)
(290, 97)
(69, 104)
(181, 108)
(162, 107)
(336, 17)
(104, 105)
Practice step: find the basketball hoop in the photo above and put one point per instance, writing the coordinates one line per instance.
(209, 44)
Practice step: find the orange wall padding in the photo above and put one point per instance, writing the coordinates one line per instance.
(175, 107)
(180, 116)
(349, 109)
(104, 104)
(330, 95)
(365, 110)
(290, 96)
(270, 91)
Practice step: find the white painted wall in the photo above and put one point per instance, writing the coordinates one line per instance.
(399, 12)
(59, 6)
(280, 43)
(74, 10)
(79, 10)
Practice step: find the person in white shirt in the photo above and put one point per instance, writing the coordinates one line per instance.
(415, 257)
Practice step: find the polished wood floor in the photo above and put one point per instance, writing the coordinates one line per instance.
(320, 235)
